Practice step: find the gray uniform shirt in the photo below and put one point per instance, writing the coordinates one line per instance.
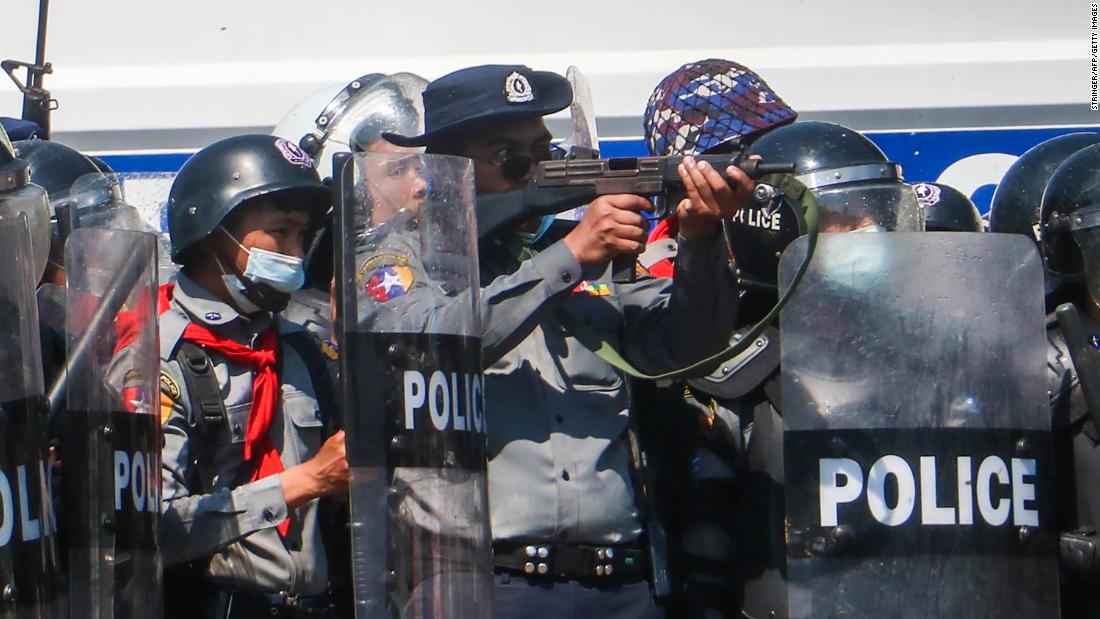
(235, 522)
(559, 465)
(556, 413)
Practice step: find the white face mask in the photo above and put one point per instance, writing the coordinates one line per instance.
(279, 271)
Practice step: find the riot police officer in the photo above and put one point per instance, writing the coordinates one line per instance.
(567, 534)
(1069, 242)
(29, 563)
(1018, 198)
(694, 445)
(857, 189)
(244, 458)
(340, 120)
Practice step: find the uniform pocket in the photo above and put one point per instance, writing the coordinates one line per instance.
(238, 421)
(302, 410)
(582, 369)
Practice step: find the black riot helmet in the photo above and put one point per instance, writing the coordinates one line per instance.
(1070, 215)
(54, 166)
(855, 185)
(947, 209)
(1017, 199)
(218, 178)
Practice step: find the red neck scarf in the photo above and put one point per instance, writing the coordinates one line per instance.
(259, 449)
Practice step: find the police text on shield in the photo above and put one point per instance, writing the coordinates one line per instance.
(453, 400)
(843, 481)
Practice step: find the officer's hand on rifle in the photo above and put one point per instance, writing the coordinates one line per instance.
(612, 225)
(326, 474)
(710, 198)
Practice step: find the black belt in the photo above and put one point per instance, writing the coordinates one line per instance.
(242, 603)
(570, 562)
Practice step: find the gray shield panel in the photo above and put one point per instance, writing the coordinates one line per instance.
(110, 426)
(917, 450)
(409, 336)
(31, 582)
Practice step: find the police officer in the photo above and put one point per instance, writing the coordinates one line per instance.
(857, 190)
(695, 446)
(244, 458)
(1069, 238)
(1017, 200)
(344, 119)
(567, 533)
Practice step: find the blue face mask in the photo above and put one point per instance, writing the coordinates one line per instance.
(279, 271)
(529, 238)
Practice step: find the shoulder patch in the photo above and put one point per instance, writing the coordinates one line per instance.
(167, 405)
(169, 386)
(330, 350)
(377, 262)
(387, 282)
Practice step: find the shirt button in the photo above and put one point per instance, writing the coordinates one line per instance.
(565, 475)
(236, 430)
(559, 418)
(269, 514)
(566, 277)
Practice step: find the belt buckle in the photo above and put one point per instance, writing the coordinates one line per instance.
(285, 599)
(539, 559)
(605, 561)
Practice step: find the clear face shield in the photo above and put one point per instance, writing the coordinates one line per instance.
(869, 197)
(391, 103)
(886, 206)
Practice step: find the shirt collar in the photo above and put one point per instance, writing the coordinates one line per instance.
(207, 309)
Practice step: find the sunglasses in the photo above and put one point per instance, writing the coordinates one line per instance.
(514, 167)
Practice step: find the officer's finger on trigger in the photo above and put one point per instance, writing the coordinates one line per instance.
(629, 201)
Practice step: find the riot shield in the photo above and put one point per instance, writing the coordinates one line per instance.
(408, 330)
(917, 448)
(126, 201)
(110, 428)
(31, 583)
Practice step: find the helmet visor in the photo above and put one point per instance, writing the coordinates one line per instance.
(887, 205)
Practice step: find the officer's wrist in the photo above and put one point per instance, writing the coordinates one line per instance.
(301, 484)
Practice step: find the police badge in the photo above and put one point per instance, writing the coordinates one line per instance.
(517, 89)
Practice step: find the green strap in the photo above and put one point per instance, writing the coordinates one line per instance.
(792, 189)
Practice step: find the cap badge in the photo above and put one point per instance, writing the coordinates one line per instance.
(293, 153)
(517, 89)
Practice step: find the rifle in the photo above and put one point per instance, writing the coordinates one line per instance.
(563, 185)
(37, 101)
